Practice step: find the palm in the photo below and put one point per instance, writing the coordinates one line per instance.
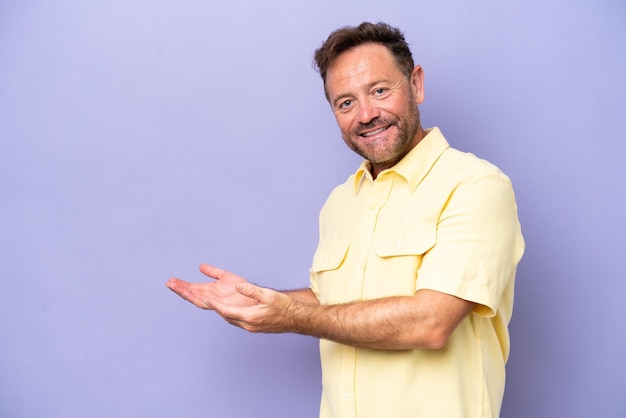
(222, 290)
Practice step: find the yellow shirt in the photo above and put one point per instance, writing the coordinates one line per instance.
(442, 220)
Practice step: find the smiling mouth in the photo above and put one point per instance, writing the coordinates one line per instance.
(374, 132)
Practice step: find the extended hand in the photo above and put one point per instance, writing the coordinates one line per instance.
(206, 295)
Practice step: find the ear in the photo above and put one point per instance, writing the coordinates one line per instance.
(417, 84)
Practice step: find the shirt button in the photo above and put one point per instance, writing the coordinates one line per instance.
(347, 394)
(372, 212)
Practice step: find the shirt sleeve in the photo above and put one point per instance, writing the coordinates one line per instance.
(479, 244)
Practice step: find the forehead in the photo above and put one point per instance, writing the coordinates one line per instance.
(361, 66)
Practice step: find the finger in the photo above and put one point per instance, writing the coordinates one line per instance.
(184, 290)
(228, 312)
(180, 287)
(176, 285)
(212, 271)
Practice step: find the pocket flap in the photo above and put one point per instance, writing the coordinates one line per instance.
(413, 239)
(329, 257)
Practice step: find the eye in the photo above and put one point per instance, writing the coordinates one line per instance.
(345, 104)
(380, 91)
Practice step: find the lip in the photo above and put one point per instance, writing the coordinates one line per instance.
(370, 133)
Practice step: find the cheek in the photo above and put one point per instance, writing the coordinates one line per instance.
(393, 108)
(344, 122)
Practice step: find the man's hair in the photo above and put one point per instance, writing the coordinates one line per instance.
(349, 37)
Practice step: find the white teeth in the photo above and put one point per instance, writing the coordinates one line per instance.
(377, 131)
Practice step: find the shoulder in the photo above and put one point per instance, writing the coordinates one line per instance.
(342, 192)
(460, 166)
(461, 160)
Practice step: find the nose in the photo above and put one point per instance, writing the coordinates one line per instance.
(368, 111)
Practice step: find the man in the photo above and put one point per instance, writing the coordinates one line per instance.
(412, 281)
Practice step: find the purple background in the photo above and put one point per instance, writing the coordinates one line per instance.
(140, 138)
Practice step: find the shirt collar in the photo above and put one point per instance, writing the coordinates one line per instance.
(415, 165)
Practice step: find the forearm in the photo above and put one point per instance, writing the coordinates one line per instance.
(423, 320)
(393, 323)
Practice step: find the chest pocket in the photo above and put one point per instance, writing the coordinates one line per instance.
(399, 253)
(326, 275)
(415, 239)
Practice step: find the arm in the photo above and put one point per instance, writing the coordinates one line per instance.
(424, 320)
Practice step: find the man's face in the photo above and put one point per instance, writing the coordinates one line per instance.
(375, 104)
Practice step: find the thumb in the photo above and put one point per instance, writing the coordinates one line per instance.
(211, 271)
(249, 290)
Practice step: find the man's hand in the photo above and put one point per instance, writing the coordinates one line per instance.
(253, 308)
(206, 295)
